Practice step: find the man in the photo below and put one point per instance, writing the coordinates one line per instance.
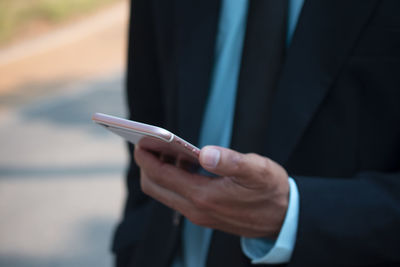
(319, 106)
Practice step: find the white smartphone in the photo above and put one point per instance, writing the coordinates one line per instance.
(153, 138)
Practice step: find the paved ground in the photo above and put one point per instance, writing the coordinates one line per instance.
(61, 176)
(91, 48)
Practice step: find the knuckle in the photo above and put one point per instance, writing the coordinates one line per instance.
(144, 184)
(252, 155)
(198, 218)
(157, 174)
(243, 162)
(200, 200)
(154, 176)
(266, 167)
(239, 161)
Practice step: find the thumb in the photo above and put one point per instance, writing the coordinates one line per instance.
(227, 162)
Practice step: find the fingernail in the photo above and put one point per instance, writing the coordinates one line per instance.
(211, 157)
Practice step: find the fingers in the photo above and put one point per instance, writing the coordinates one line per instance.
(168, 176)
(227, 162)
(235, 203)
(169, 198)
(176, 188)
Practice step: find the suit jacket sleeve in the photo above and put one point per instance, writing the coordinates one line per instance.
(347, 162)
(349, 222)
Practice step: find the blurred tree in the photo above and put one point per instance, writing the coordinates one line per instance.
(20, 16)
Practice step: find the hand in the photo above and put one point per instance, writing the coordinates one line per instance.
(250, 198)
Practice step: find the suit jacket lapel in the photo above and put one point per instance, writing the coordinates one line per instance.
(326, 33)
(197, 23)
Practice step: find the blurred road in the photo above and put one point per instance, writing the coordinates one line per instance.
(61, 176)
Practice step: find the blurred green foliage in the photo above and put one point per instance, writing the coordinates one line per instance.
(17, 14)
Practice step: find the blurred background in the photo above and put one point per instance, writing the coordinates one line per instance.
(61, 176)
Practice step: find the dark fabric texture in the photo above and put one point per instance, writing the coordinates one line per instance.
(225, 250)
(333, 123)
(262, 59)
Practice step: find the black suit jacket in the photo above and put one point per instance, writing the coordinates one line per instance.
(334, 123)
